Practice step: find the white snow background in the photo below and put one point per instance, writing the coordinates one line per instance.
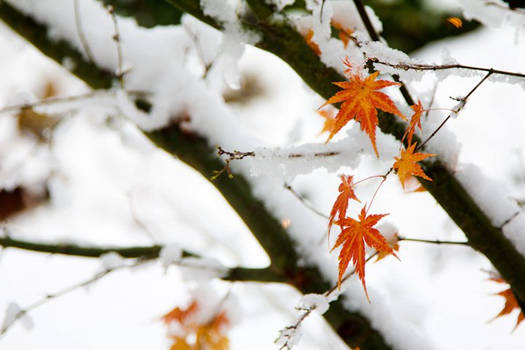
(105, 175)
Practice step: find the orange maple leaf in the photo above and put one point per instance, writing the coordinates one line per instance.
(353, 237)
(511, 303)
(407, 164)
(346, 192)
(415, 121)
(313, 45)
(195, 336)
(329, 120)
(393, 242)
(455, 21)
(360, 101)
(345, 34)
(180, 315)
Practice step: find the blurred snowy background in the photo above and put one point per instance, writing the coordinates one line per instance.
(96, 180)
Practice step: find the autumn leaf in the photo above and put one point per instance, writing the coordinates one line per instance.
(346, 192)
(329, 120)
(37, 124)
(313, 45)
(393, 242)
(407, 164)
(415, 121)
(360, 100)
(194, 335)
(179, 343)
(353, 237)
(511, 303)
(180, 315)
(455, 21)
(345, 34)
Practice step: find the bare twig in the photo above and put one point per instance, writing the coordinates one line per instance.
(80, 32)
(235, 155)
(195, 39)
(66, 99)
(308, 311)
(305, 202)
(64, 291)
(432, 67)
(136, 218)
(116, 38)
(432, 241)
(458, 108)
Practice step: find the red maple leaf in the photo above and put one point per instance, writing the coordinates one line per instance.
(353, 237)
(406, 165)
(180, 315)
(346, 192)
(360, 100)
(511, 303)
(414, 121)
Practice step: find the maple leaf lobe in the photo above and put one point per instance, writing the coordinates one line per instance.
(407, 165)
(360, 100)
(346, 192)
(415, 121)
(353, 237)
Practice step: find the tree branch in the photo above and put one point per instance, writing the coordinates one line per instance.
(434, 67)
(268, 274)
(84, 251)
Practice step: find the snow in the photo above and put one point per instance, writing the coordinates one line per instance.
(289, 337)
(170, 254)
(317, 302)
(111, 261)
(415, 302)
(280, 4)
(201, 269)
(287, 163)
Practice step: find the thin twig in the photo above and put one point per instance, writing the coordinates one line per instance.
(377, 190)
(136, 218)
(431, 241)
(305, 202)
(235, 155)
(196, 41)
(459, 107)
(65, 291)
(308, 311)
(80, 32)
(424, 67)
(116, 39)
(58, 100)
